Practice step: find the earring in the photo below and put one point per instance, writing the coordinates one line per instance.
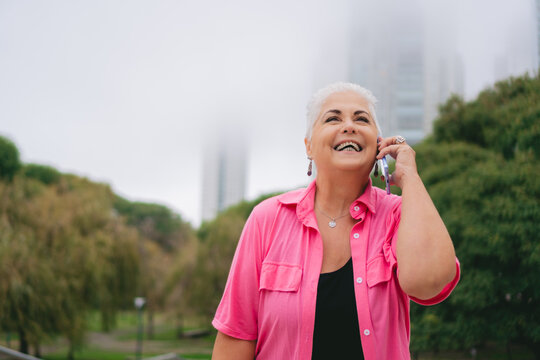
(376, 172)
(309, 166)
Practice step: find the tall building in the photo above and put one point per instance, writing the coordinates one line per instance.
(444, 70)
(521, 53)
(537, 2)
(396, 54)
(224, 172)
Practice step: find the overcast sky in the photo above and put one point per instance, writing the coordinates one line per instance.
(128, 92)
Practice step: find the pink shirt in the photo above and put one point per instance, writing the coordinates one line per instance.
(271, 291)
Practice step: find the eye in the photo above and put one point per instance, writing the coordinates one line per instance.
(330, 119)
(363, 119)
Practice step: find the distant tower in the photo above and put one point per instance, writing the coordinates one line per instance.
(224, 172)
(387, 58)
(537, 12)
(444, 69)
(394, 55)
(521, 54)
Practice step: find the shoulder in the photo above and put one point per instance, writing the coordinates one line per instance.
(267, 209)
(273, 203)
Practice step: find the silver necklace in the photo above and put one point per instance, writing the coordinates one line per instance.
(332, 223)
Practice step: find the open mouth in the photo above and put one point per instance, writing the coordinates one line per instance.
(348, 146)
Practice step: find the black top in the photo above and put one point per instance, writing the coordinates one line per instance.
(336, 334)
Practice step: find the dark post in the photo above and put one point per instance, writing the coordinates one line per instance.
(139, 303)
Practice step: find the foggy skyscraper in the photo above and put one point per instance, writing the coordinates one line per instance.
(408, 65)
(224, 173)
(521, 54)
(444, 71)
(537, 2)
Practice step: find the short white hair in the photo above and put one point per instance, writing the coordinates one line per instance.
(315, 104)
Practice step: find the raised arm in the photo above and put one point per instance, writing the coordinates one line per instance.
(229, 348)
(424, 250)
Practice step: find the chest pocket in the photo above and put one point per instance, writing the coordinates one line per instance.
(378, 271)
(280, 277)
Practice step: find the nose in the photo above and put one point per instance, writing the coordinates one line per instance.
(348, 127)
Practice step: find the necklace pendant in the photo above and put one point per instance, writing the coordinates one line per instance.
(332, 224)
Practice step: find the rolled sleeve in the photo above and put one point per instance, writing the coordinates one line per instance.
(237, 313)
(446, 291)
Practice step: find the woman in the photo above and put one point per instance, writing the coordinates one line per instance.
(327, 272)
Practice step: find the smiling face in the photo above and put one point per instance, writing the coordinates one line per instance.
(344, 136)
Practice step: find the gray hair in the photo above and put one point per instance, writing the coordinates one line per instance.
(315, 104)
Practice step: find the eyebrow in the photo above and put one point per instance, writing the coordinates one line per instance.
(338, 112)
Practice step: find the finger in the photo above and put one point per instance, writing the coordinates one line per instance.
(393, 140)
(388, 150)
(384, 142)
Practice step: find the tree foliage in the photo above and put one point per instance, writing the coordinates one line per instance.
(69, 246)
(481, 170)
(503, 119)
(9, 159)
(155, 222)
(46, 174)
(169, 235)
(63, 252)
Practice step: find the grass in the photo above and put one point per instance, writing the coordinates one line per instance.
(163, 332)
(92, 354)
(197, 356)
(123, 319)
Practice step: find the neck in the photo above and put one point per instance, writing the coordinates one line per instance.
(337, 191)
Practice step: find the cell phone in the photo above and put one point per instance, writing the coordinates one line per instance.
(385, 173)
(383, 164)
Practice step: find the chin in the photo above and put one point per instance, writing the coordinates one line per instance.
(350, 166)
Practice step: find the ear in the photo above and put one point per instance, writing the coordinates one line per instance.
(308, 146)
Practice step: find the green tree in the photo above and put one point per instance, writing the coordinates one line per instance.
(9, 159)
(63, 252)
(481, 170)
(169, 234)
(46, 174)
(155, 222)
(503, 119)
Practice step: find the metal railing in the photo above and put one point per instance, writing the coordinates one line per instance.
(7, 353)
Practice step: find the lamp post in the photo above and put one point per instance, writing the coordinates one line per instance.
(139, 303)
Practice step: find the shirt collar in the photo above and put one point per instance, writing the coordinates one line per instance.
(304, 199)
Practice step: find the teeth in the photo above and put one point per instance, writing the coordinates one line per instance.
(342, 146)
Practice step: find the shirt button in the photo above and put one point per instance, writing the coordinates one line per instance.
(367, 332)
(356, 235)
(356, 208)
(359, 280)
